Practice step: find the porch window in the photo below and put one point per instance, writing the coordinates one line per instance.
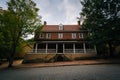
(73, 35)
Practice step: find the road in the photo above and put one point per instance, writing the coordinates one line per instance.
(82, 72)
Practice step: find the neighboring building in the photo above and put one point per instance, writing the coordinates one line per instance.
(62, 39)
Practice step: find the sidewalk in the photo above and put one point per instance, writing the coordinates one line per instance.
(18, 63)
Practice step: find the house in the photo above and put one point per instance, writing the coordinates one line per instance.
(64, 39)
(67, 41)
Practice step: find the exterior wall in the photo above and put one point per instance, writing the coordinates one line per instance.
(43, 56)
(54, 36)
(67, 32)
(80, 56)
(66, 36)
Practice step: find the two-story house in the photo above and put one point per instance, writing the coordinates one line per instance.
(62, 39)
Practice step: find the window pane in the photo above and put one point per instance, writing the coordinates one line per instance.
(73, 35)
(48, 35)
(60, 27)
(41, 35)
(80, 35)
(60, 35)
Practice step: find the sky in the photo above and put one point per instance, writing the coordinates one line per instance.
(55, 12)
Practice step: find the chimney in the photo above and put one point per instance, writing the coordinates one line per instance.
(78, 23)
(45, 23)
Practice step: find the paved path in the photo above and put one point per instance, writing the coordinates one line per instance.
(81, 72)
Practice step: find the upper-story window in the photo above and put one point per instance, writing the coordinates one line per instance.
(60, 35)
(48, 35)
(73, 35)
(41, 35)
(80, 35)
(60, 27)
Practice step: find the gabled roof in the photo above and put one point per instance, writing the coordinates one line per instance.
(55, 28)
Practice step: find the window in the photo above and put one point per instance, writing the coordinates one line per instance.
(80, 35)
(48, 35)
(73, 35)
(41, 35)
(60, 27)
(60, 35)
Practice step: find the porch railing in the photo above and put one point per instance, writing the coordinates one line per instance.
(68, 51)
(90, 51)
(65, 51)
(51, 51)
(79, 50)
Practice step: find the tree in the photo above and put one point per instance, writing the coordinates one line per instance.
(22, 19)
(102, 20)
(4, 36)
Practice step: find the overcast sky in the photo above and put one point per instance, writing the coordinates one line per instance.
(56, 11)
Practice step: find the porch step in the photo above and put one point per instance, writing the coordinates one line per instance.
(59, 57)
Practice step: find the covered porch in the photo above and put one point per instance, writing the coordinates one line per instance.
(63, 47)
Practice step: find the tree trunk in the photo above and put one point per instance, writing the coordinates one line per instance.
(11, 59)
(111, 49)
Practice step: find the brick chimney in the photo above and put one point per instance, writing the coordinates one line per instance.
(45, 23)
(78, 23)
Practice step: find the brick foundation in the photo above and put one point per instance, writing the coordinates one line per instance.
(52, 57)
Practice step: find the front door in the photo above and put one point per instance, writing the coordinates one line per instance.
(60, 48)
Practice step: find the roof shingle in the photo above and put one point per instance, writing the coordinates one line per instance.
(55, 28)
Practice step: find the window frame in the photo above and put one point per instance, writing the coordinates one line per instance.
(60, 35)
(73, 35)
(81, 35)
(48, 35)
(41, 35)
(60, 27)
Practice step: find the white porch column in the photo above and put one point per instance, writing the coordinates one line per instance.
(95, 49)
(46, 48)
(36, 46)
(74, 48)
(84, 47)
(63, 47)
(56, 48)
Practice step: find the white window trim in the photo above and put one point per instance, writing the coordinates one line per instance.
(81, 35)
(60, 27)
(41, 35)
(60, 35)
(48, 35)
(73, 35)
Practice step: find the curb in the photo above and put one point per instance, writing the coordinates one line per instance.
(60, 65)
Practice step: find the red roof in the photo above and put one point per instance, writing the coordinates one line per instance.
(55, 28)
